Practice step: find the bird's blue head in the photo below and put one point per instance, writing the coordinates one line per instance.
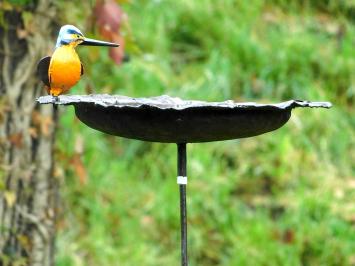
(70, 34)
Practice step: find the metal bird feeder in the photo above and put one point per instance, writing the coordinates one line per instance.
(172, 120)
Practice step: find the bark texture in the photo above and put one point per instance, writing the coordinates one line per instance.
(28, 187)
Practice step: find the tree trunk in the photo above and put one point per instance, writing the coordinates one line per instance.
(28, 187)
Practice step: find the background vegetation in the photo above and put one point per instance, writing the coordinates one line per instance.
(283, 198)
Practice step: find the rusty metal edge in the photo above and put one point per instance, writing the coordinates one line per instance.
(167, 102)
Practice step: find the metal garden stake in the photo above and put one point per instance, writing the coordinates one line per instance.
(172, 120)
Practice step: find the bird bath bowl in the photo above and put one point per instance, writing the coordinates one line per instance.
(172, 120)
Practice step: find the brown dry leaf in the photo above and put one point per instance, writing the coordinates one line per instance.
(109, 18)
(16, 139)
(10, 198)
(79, 168)
(36, 118)
(33, 132)
(117, 54)
(21, 33)
(43, 122)
(46, 124)
(288, 236)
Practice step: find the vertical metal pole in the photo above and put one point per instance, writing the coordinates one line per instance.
(182, 181)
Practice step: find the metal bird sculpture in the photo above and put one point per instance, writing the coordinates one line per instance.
(63, 69)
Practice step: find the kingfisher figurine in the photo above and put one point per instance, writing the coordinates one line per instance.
(63, 69)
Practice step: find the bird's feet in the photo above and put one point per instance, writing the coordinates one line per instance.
(55, 99)
(55, 102)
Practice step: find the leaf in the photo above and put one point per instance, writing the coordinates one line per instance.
(33, 132)
(79, 168)
(46, 125)
(16, 139)
(10, 198)
(117, 54)
(77, 161)
(109, 18)
(21, 33)
(36, 118)
(288, 236)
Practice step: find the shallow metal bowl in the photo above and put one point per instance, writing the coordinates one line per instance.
(172, 120)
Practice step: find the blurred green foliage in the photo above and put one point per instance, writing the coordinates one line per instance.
(283, 198)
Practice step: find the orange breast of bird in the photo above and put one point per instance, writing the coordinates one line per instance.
(64, 70)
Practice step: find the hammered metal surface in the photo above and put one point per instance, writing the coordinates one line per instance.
(172, 120)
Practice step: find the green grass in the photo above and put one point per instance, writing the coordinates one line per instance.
(283, 198)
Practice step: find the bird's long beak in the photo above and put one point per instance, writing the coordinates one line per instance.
(92, 42)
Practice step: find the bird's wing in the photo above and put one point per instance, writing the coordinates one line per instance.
(42, 70)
